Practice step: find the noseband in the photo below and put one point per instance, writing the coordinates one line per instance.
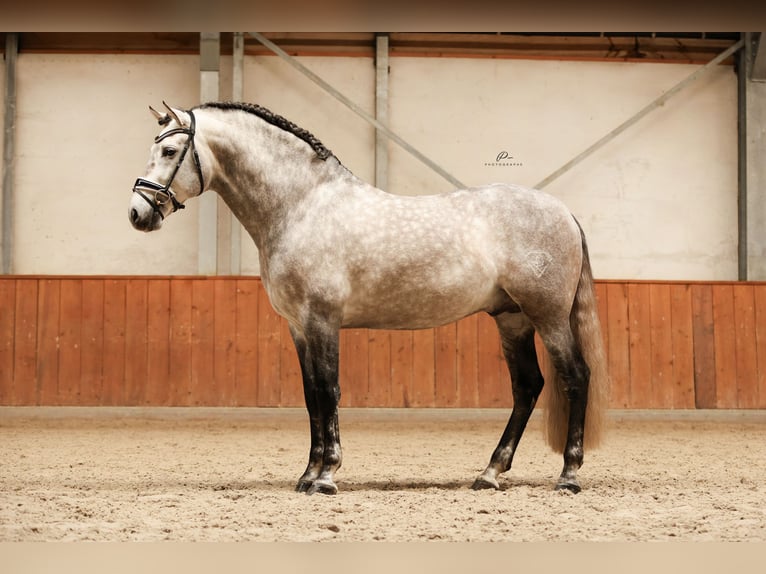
(161, 194)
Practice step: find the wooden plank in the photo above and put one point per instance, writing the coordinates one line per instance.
(269, 352)
(25, 343)
(661, 336)
(92, 342)
(402, 367)
(423, 343)
(745, 339)
(203, 384)
(703, 333)
(291, 386)
(602, 302)
(48, 304)
(355, 355)
(7, 328)
(618, 344)
(542, 353)
(445, 353)
(249, 297)
(760, 341)
(494, 389)
(639, 317)
(683, 346)
(467, 335)
(136, 346)
(225, 345)
(179, 379)
(379, 377)
(725, 347)
(158, 342)
(70, 335)
(114, 341)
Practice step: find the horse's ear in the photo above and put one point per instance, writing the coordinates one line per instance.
(175, 114)
(162, 119)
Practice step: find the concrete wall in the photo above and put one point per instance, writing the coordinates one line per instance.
(658, 202)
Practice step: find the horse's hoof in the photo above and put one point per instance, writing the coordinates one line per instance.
(484, 483)
(568, 485)
(303, 485)
(322, 487)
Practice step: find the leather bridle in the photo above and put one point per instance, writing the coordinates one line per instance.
(156, 194)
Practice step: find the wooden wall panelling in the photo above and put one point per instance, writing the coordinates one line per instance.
(217, 341)
(725, 347)
(25, 343)
(203, 384)
(682, 334)
(114, 342)
(703, 331)
(157, 391)
(7, 328)
(179, 375)
(48, 304)
(70, 342)
(618, 344)
(291, 380)
(92, 343)
(225, 342)
(246, 319)
(467, 331)
(379, 376)
(269, 345)
(640, 345)
(746, 384)
(136, 342)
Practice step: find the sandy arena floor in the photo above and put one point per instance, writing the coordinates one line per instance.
(228, 475)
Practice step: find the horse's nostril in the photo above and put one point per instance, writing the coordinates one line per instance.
(134, 215)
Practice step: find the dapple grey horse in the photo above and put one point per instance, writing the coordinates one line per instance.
(336, 252)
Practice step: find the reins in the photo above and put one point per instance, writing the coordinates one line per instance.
(162, 193)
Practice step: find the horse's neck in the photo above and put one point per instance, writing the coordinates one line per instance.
(263, 179)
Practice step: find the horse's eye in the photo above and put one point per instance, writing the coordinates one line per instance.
(168, 151)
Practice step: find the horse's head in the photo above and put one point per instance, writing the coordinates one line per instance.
(172, 175)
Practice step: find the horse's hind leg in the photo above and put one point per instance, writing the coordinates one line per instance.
(518, 340)
(573, 376)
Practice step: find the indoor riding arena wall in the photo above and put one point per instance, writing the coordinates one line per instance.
(95, 313)
(216, 341)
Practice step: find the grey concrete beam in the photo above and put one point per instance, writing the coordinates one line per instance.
(9, 145)
(758, 71)
(381, 110)
(207, 252)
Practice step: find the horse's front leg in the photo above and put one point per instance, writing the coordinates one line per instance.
(318, 351)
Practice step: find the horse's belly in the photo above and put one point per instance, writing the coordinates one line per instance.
(413, 307)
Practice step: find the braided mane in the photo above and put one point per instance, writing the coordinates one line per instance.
(276, 120)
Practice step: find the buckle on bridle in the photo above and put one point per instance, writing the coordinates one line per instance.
(161, 194)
